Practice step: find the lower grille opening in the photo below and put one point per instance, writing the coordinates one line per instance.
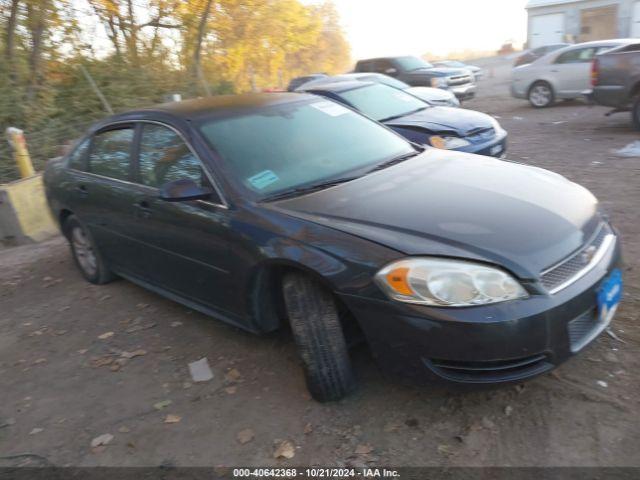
(583, 329)
(490, 371)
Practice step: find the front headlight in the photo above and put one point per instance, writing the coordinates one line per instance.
(448, 143)
(447, 283)
(439, 82)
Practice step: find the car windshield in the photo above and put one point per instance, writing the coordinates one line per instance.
(412, 63)
(296, 145)
(453, 63)
(386, 80)
(382, 102)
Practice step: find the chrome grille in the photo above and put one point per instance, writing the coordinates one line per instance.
(459, 80)
(556, 278)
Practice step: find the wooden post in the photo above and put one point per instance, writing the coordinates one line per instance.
(15, 136)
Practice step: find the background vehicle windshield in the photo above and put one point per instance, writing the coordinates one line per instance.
(386, 80)
(381, 101)
(412, 63)
(299, 144)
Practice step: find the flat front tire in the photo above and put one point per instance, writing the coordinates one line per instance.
(319, 337)
(541, 95)
(85, 252)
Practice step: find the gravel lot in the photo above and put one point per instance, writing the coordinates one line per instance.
(64, 381)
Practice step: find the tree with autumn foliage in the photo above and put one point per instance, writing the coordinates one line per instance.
(139, 51)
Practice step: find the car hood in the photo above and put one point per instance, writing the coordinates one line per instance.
(439, 71)
(454, 204)
(445, 119)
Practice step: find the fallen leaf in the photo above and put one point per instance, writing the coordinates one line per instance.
(245, 436)
(104, 297)
(36, 430)
(363, 449)
(123, 429)
(40, 360)
(231, 390)
(104, 439)
(172, 418)
(444, 449)
(101, 361)
(602, 384)
(83, 351)
(176, 324)
(135, 353)
(508, 410)
(233, 375)
(105, 335)
(137, 326)
(162, 404)
(284, 449)
(308, 428)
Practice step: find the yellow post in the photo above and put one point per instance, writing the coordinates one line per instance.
(20, 152)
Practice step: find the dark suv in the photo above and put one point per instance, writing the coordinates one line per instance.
(419, 73)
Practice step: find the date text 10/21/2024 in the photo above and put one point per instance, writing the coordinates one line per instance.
(302, 473)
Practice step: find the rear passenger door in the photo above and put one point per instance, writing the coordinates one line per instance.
(187, 249)
(571, 70)
(105, 197)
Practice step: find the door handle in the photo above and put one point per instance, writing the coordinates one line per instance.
(144, 208)
(82, 190)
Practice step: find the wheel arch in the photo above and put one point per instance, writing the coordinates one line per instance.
(264, 292)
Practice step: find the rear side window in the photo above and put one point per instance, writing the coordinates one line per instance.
(164, 157)
(77, 159)
(579, 55)
(365, 66)
(111, 153)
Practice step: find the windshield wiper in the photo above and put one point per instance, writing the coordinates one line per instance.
(295, 192)
(395, 161)
(393, 117)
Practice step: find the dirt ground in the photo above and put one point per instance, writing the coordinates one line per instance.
(63, 380)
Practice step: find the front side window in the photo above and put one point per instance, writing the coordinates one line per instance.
(111, 153)
(79, 155)
(579, 55)
(291, 145)
(381, 102)
(164, 157)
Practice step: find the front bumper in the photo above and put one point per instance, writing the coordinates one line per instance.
(464, 92)
(496, 343)
(494, 147)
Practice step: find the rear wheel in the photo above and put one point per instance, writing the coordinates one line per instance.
(85, 253)
(541, 95)
(635, 112)
(319, 337)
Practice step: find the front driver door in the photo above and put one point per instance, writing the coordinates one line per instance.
(187, 242)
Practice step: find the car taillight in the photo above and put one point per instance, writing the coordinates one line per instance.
(595, 72)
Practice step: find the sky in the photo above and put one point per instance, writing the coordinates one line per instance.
(414, 27)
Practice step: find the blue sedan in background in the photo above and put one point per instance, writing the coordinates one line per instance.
(441, 127)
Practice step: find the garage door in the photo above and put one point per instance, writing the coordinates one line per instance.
(635, 21)
(546, 29)
(599, 23)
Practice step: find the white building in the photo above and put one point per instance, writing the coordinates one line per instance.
(556, 21)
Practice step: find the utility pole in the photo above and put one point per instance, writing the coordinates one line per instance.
(97, 91)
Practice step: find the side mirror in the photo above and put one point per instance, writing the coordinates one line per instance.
(183, 190)
(391, 71)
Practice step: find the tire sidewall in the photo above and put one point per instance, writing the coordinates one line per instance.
(552, 96)
(101, 272)
(635, 112)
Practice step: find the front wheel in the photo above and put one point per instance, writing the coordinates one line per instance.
(319, 337)
(85, 253)
(541, 95)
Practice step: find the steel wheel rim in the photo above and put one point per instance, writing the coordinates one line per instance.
(84, 251)
(540, 95)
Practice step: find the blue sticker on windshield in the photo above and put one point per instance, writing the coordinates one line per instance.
(263, 179)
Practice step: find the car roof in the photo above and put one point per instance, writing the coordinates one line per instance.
(198, 107)
(338, 87)
(598, 43)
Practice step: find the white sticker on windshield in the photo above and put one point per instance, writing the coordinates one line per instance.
(330, 108)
